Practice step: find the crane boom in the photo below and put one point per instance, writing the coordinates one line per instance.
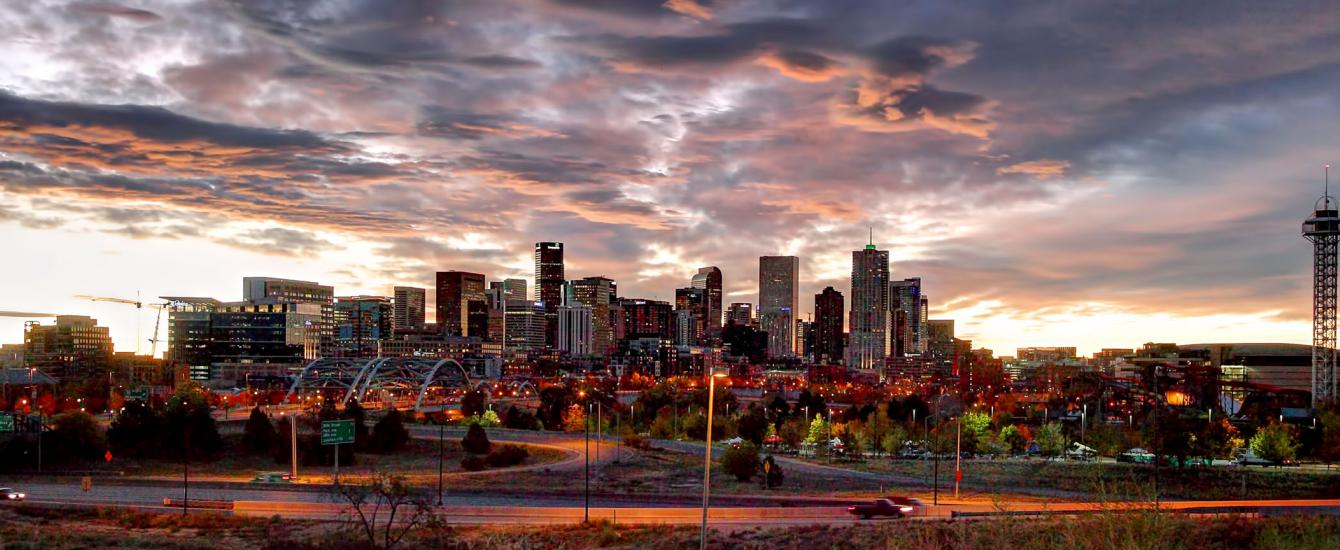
(136, 303)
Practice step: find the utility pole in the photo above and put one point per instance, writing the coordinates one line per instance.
(293, 447)
(958, 456)
(586, 509)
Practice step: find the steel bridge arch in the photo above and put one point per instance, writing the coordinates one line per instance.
(354, 378)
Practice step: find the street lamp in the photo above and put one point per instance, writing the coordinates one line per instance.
(717, 372)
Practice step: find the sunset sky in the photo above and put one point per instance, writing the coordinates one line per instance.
(1097, 174)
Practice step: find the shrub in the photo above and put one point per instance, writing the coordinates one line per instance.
(473, 463)
(476, 441)
(634, 441)
(389, 435)
(741, 461)
(259, 435)
(507, 455)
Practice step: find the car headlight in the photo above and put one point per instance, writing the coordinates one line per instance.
(906, 509)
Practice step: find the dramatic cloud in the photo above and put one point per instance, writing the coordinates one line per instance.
(1038, 166)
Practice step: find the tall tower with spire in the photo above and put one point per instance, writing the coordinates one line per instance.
(1323, 231)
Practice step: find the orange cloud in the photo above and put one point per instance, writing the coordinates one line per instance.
(690, 8)
(1043, 169)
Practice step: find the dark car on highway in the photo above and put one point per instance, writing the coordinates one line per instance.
(895, 507)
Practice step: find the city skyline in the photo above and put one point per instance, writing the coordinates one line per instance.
(655, 142)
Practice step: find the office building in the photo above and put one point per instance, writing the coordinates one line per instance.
(272, 340)
(829, 343)
(1064, 353)
(575, 329)
(549, 280)
(271, 290)
(905, 309)
(708, 279)
(11, 356)
(868, 344)
(647, 319)
(525, 323)
(455, 292)
(410, 308)
(74, 348)
(189, 333)
(779, 302)
(740, 313)
(690, 302)
(512, 289)
(600, 294)
(361, 323)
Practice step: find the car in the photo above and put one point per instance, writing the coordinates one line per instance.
(883, 507)
(1136, 456)
(9, 494)
(272, 477)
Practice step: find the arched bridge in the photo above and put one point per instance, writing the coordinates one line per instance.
(428, 383)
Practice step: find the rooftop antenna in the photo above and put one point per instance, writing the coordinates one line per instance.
(1326, 191)
(871, 246)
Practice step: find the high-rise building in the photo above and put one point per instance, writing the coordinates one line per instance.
(575, 329)
(455, 291)
(869, 323)
(549, 280)
(525, 323)
(647, 319)
(1062, 353)
(708, 279)
(272, 290)
(689, 302)
(512, 289)
(829, 340)
(410, 308)
(740, 313)
(805, 339)
(779, 302)
(74, 348)
(600, 294)
(905, 307)
(361, 323)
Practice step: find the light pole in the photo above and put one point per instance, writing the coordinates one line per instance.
(440, 451)
(586, 508)
(717, 372)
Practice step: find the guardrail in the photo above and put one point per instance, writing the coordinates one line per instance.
(212, 504)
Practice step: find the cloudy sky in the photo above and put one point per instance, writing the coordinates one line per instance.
(1091, 174)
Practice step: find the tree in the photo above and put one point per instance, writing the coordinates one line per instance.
(1013, 440)
(753, 425)
(1216, 440)
(1328, 450)
(385, 510)
(574, 420)
(389, 435)
(554, 407)
(476, 441)
(876, 429)
(489, 419)
(741, 461)
(793, 432)
(258, 436)
(474, 402)
(976, 422)
(188, 424)
(135, 431)
(852, 439)
(1275, 442)
(1051, 441)
(893, 441)
(76, 435)
(517, 419)
(819, 435)
(354, 411)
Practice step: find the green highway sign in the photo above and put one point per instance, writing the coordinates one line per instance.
(337, 432)
(141, 393)
(6, 423)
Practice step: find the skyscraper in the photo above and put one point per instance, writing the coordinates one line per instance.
(599, 293)
(410, 308)
(690, 304)
(779, 301)
(74, 348)
(575, 334)
(455, 291)
(512, 289)
(869, 325)
(709, 280)
(740, 313)
(905, 307)
(549, 281)
(829, 342)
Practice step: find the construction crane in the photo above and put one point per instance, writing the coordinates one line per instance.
(139, 304)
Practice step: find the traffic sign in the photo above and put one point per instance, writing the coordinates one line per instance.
(337, 432)
(108, 456)
(6, 423)
(140, 393)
